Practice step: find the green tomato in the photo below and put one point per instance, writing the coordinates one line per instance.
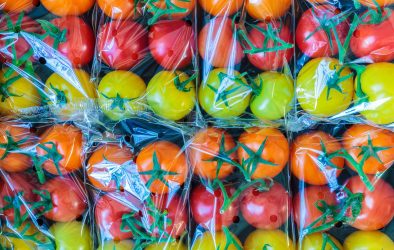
(171, 95)
(274, 98)
(121, 94)
(116, 245)
(224, 94)
(71, 235)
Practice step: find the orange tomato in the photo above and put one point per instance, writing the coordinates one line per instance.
(68, 7)
(103, 165)
(221, 7)
(305, 153)
(267, 9)
(17, 5)
(162, 166)
(13, 138)
(185, 8)
(205, 146)
(275, 151)
(117, 9)
(359, 141)
(371, 3)
(62, 144)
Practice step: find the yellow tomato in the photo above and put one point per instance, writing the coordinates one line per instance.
(116, 245)
(215, 241)
(167, 246)
(71, 235)
(368, 240)
(315, 242)
(276, 239)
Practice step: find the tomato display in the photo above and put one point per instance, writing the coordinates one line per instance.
(68, 7)
(368, 240)
(263, 239)
(71, 235)
(221, 7)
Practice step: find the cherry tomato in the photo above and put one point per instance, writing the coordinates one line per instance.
(368, 240)
(205, 147)
(218, 44)
(375, 88)
(67, 203)
(206, 206)
(319, 90)
(18, 6)
(216, 241)
(275, 98)
(276, 239)
(67, 98)
(177, 245)
(361, 141)
(160, 161)
(281, 53)
(104, 164)
(25, 237)
(171, 95)
(121, 94)
(316, 242)
(304, 205)
(122, 45)
(119, 9)
(266, 209)
(68, 7)
(267, 9)
(171, 43)
(78, 44)
(71, 235)
(61, 145)
(15, 140)
(221, 7)
(314, 25)
(377, 209)
(265, 151)
(306, 164)
(178, 10)
(222, 95)
(117, 245)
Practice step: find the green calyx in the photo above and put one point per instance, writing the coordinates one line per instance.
(58, 35)
(335, 79)
(44, 205)
(182, 86)
(327, 241)
(15, 203)
(52, 154)
(118, 101)
(5, 93)
(169, 10)
(61, 98)
(230, 240)
(11, 145)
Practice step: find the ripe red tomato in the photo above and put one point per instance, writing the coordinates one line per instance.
(171, 43)
(304, 204)
(218, 44)
(266, 209)
(122, 45)
(312, 39)
(275, 59)
(206, 207)
(68, 7)
(374, 42)
(68, 198)
(78, 45)
(377, 208)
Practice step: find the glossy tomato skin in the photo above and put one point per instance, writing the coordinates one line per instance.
(276, 150)
(218, 44)
(171, 43)
(104, 163)
(357, 136)
(14, 241)
(274, 60)
(277, 239)
(316, 44)
(377, 209)
(305, 152)
(68, 141)
(118, 9)
(368, 240)
(177, 245)
(71, 235)
(122, 45)
(206, 205)
(267, 9)
(17, 6)
(315, 241)
(68, 7)
(68, 199)
(170, 159)
(16, 161)
(79, 45)
(221, 7)
(304, 204)
(215, 241)
(204, 147)
(266, 209)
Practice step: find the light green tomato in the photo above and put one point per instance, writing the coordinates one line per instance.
(116, 245)
(275, 96)
(121, 94)
(171, 95)
(224, 94)
(71, 235)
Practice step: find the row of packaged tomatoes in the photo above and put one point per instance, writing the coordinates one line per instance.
(66, 186)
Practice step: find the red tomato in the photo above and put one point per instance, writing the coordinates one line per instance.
(122, 45)
(270, 60)
(304, 204)
(68, 7)
(374, 42)
(206, 205)
(68, 199)
(171, 43)
(266, 209)
(218, 44)
(312, 39)
(377, 209)
(78, 46)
